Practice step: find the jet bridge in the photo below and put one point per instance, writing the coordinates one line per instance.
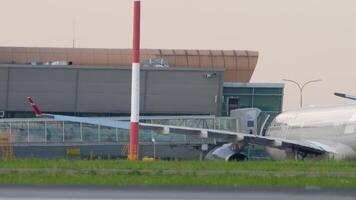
(52, 138)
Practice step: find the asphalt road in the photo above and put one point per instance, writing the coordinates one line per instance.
(148, 193)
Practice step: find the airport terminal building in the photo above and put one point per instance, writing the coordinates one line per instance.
(196, 88)
(96, 82)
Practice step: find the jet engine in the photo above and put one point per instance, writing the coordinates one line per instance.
(227, 152)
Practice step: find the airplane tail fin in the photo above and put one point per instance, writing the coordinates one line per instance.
(37, 111)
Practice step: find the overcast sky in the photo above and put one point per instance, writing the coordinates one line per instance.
(297, 39)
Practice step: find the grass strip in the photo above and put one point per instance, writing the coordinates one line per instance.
(176, 172)
(139, 179)
(297, 166)
(94, 172)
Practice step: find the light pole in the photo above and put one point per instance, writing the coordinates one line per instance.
(154, 147)
(301, 87)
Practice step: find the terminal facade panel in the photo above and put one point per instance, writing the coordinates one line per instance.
(105, 91)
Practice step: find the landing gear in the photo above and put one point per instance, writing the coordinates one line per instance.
(299, 155)
(303, 155)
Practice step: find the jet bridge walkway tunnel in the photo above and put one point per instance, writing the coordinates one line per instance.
(48, 138)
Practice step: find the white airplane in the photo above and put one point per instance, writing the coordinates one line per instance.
(309, 133)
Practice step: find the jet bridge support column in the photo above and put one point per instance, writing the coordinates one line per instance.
(135, 85)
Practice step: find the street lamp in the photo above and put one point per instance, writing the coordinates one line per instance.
(154, 147)
(301, 87)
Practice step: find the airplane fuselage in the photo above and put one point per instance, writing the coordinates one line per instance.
(332, 128)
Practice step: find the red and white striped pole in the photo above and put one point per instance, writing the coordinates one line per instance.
(135, 84)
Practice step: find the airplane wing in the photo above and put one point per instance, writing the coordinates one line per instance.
(87, 120)
(94, 121)
(305, 146)
(346, 96)
(226, 136)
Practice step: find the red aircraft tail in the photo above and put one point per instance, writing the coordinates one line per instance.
(37, 111)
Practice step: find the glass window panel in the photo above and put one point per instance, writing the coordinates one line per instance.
(268, 103)
(245, 101)
(123, 135)
(72, 132)
(224, 107)
(145, 136)
(177, 122)
(160, 121)
(107, 134)
(19, 131)
(209, 124)
(232, 90)
(268, 90)
(54, 131)
(37, 131)
(90, 133)
(227, 124)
